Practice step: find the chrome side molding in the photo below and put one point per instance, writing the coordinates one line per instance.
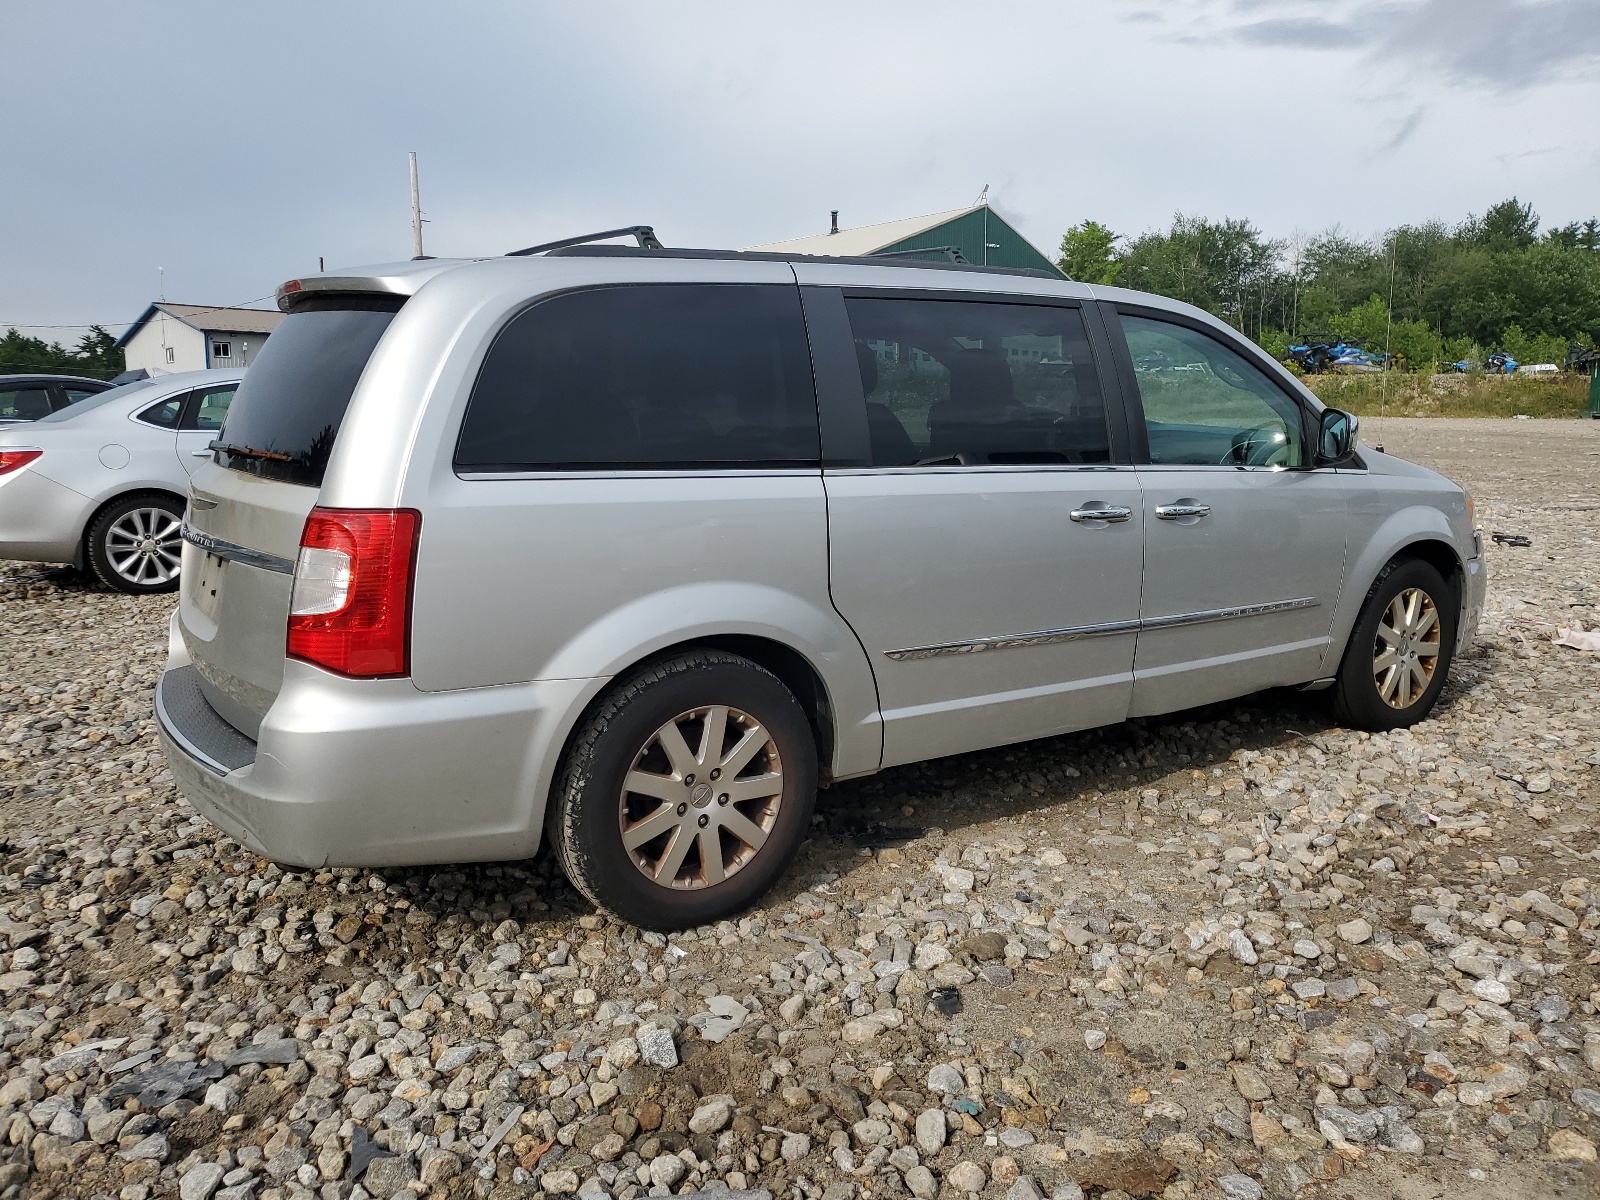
(1045, 637)
(235, 552)
(1228, 614)
(1010, 641)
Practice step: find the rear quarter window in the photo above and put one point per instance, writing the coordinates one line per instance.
(165, 413)
(675, 376)
(283, 420)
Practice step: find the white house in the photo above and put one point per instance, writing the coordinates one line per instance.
(192, 337)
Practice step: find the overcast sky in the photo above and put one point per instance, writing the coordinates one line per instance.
(233, 145)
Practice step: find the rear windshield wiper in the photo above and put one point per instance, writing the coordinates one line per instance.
(250, 452)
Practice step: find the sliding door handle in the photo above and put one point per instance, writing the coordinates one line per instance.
(1172, 512)
(1101, 512)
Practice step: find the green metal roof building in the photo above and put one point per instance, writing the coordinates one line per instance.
(974, 235)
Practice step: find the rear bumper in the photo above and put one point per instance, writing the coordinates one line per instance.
(40, 519)
(373, 772)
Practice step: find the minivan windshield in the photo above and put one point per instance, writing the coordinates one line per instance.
(98, 400)
(287, 412)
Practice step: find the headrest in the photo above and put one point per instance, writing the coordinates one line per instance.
(867, 360)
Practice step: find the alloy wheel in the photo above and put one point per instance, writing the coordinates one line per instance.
(1406, 652)
(701, 797)
(144, 546)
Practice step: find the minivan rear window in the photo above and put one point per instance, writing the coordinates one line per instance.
(287, 412)
(650, 376)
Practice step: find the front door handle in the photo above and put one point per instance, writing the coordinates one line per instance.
(1101, 512)
(1172, 512)
(200, 454)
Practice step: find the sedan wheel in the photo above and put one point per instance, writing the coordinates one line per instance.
(136, 545)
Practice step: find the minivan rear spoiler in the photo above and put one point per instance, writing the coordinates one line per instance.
(400, 279)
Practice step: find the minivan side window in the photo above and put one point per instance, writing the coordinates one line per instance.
(673, 376)
(955, 382)
(1205, 404)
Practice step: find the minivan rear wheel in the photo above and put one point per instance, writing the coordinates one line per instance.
(685, 795)
(135, 544)
(1400, 650)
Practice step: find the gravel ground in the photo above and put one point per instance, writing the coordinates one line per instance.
(1236, 952)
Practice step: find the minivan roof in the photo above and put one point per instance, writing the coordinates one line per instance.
(405, 278)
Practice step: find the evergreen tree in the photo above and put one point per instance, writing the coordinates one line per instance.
(1089, 254)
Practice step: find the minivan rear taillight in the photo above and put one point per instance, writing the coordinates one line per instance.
(15, 460)
(350, 610)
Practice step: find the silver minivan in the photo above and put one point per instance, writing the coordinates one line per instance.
(636, 547)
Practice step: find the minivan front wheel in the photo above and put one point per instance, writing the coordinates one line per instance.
(135, 544)
(685, 795)
(1400, 650)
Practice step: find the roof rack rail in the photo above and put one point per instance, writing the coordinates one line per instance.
(645, 235)
(952, 253)
(854, 260)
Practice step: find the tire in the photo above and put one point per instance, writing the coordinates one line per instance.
(134, 543)
(1370, 694)
(627, 738)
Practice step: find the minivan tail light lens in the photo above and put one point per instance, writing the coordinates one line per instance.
(350, 610)
(15, 460)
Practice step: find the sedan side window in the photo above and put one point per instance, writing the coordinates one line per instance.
(209, 408)
(24, 404)
(1206, 405)
(951, 382)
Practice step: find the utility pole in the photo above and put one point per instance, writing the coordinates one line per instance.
(1388, 329)
(416, 210)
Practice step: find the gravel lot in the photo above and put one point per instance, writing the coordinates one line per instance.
(1237, 952)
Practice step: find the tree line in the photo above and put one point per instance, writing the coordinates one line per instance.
(1456, 292)
(95, 356)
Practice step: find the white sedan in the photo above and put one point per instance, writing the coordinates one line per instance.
(102, 485)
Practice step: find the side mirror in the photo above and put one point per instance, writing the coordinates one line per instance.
(1337, 436)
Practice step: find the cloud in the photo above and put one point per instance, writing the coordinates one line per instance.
(1501, 45)
(1407, 127)
(1505, 44)
(1505, 160)
(1313, 33)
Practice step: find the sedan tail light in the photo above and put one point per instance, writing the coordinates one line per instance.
(350, 611)
(15, 460)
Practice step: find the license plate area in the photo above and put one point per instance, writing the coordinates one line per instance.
(207, 591)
